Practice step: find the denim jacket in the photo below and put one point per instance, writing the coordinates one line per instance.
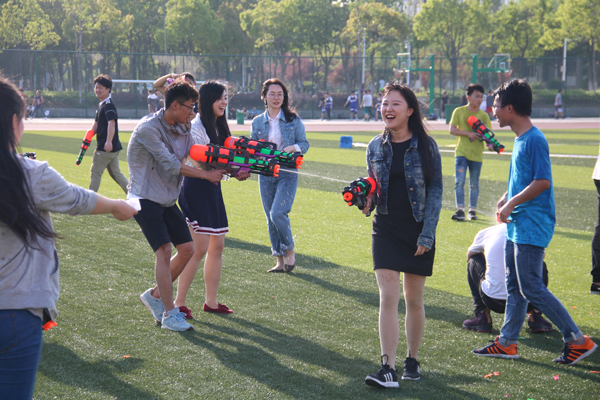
(425, 199)
(291, 132)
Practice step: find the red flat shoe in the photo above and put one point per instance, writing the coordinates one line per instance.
(186, 311)
(221, 309)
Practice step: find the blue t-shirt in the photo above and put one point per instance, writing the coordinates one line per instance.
(533, 221)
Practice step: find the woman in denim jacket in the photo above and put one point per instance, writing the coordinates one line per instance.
(406, 164)
(280, 125)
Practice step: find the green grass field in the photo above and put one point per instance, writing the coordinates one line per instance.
(312, 333)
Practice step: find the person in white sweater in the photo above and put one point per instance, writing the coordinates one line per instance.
(29, 191)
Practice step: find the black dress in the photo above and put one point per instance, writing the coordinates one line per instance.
(395, 234)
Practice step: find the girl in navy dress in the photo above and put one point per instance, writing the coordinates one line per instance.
(202, 203)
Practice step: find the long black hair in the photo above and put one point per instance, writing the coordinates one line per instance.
(216, 128)
(17, 209)
(415, 125)
(288, 111)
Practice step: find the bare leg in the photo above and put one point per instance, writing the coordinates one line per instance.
(189, 272)
(213, 265)
(162, 273)
(389, 296)
(414, 286)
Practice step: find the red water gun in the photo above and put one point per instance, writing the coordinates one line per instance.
(358, 191)
(87, 140)
(233, 161)
(266, 150)
(485, 133)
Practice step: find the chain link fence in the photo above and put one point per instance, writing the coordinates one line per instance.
(66, 78)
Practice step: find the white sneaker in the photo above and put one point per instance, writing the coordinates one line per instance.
(154, 305)
(175, 320)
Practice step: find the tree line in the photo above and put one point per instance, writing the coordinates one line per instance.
(323, 29)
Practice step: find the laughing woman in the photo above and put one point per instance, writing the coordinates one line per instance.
(280, 125)
(202, 204)
(405, 162)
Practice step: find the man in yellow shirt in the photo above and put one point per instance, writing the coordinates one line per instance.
(469, 151)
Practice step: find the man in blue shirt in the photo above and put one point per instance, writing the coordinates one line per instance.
(528, 209)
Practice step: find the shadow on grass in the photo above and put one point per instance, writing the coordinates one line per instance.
(432, 296)
(63, 365)
(578, 370)
(257, 361)
(308, 262)
(268, 370)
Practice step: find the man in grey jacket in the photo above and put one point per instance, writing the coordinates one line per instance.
(156, 155)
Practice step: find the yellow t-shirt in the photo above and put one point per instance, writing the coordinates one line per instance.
(472, 151)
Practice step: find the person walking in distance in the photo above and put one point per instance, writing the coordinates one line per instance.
(108, 147)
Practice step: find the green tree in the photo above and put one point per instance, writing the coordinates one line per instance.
(193, 27)
(386, 30)
(322, 21)
(519, 27)
(576, 20)
(236, 40)
(273, 25)
(23, 24)
(448, 26)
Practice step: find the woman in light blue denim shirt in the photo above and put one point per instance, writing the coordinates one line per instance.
(406, 164)
(282, 126)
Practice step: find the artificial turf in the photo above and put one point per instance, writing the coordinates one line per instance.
(311, 333)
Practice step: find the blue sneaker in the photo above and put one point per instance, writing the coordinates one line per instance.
(175, 320)
(154, 305)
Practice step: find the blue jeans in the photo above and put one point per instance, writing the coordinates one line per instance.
(461, 164)
(20, 348)
(524, 282)
(277, 195)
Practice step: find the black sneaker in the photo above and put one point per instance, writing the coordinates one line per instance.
(412, 370)
(387, 377)
(595, 289)
(472, 215)
(459, 216)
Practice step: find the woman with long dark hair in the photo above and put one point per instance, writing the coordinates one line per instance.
(29, 191)
(202, 203)
(406, 164)
(279, 124)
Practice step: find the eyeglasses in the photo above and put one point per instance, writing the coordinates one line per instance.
(497, 106)
(191, 108)
(275, 95)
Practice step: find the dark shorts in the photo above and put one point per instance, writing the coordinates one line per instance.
(162, 225)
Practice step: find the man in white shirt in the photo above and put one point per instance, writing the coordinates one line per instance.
(367, 103)
(486, 277)
(558, 105)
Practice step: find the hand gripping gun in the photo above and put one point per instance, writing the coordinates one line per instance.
(233, 161)
(358, 191)
(87, 140)
(267, 150)
(485, 133)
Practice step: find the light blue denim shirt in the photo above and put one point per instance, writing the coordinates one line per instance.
(425, 198)
(291, 132)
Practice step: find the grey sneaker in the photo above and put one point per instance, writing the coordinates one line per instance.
(472, 215)
(154, 305)
(595, 289)
(175, 320)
